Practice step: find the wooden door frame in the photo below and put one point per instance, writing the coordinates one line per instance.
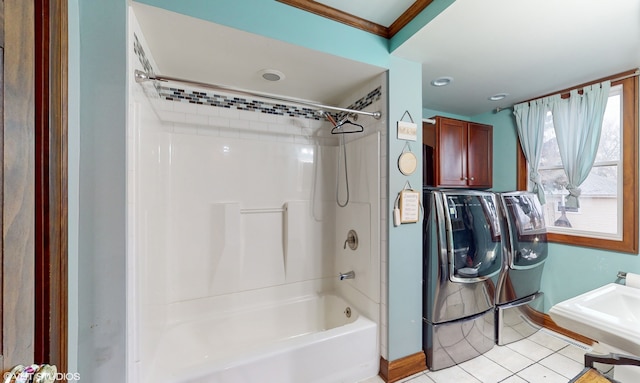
(18, 197)
(51, 191)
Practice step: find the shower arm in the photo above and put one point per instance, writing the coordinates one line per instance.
(141, 76)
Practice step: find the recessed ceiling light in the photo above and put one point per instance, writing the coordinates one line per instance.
(498, 96)
(272, 75)
(442, 81)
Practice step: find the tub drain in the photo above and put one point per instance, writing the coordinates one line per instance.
(347, 312)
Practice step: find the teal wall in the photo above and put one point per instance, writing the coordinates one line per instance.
(405, 241)
(422, 19)
(100, 55)
(73, 187)
(428, 113)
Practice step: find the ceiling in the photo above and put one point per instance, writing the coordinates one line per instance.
(525, 48)
(236, 58)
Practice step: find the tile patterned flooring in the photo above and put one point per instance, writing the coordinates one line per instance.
(544, 357)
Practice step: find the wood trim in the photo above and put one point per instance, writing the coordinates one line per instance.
(403, 367)
(629, 242)
(407, 16)
(521, 167)
(42, 269)
(1, 176)
(337, 15)
(358, 22)
(590, 375)
(564, 93)
(2, 25)
(51, 184)
(548, 323)
(18, 184)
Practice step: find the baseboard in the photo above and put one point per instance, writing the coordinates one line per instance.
(551, 325)
(401, 368)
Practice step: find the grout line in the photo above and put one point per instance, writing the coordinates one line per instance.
(568, 341)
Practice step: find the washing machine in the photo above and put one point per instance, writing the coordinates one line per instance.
(519, 301)
(463, 256)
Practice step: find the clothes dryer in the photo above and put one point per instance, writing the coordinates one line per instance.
(463, 255)
(519, 301)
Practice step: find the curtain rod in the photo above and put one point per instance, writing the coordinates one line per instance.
(636, 73)
(141, 76)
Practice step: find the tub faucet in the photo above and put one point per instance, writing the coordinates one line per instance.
(347, 275)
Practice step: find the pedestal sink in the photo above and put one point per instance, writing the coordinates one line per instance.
(610, 315)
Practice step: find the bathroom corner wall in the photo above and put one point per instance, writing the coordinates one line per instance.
(147, 220)
(404, 261)
(366, 154)
(101, 180)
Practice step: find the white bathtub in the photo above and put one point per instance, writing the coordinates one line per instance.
(302, 340)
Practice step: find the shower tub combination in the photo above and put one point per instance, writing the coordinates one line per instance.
(315, 338)
(232, 288)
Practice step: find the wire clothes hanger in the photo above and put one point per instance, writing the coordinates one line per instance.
(337, 126)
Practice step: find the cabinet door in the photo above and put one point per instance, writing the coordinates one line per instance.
(480, 155)
(451, 169)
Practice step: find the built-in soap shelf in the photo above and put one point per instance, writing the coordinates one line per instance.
(257, 247)
(264, 210)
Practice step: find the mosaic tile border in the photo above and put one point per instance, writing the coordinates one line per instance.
(139, 51)
(240, 103)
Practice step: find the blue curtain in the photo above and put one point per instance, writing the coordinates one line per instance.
(530, 122)
(577, 121)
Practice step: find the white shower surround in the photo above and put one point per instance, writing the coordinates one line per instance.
(196, 174)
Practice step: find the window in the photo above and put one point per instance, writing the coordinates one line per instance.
(608, 213)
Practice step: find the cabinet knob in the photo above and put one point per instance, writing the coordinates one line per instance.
(472, 178)
(463, 178)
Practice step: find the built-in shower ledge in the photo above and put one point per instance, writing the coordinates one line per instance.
(226, 304)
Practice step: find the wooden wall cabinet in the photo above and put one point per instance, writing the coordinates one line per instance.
(457, 154)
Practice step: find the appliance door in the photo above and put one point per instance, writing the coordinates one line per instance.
(474, 240)
(527, 237)
(445, 296)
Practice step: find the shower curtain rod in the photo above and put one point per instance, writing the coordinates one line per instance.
(636, 73)
(141, 76)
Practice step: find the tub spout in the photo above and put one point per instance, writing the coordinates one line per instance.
(347, 275)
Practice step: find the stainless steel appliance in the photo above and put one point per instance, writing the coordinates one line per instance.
(519, 301)
(463, 255)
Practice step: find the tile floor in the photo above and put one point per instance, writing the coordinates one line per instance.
(544, 357)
